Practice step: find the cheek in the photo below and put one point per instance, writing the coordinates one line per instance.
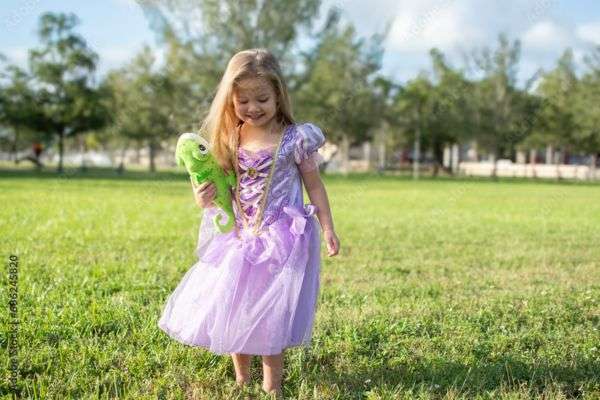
(240, 108)
(271, 106)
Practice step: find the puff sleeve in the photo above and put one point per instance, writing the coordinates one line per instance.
(309, 138)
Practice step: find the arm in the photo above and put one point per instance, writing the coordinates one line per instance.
(318, 196)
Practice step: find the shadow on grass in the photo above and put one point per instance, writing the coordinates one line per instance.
(440, 377)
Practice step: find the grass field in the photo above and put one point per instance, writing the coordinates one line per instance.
(442, 289)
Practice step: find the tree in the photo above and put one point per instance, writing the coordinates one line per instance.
(332, 79)
(435, 112)
(451, 112)
(220, 28)
(63, 71)
(18, 109)
(341, 88)
(554, 119)
(586, 116)
(414, 105)
(201, 36)
(142, 103)
(499, 112)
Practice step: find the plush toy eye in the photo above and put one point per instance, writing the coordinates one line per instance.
(203, 145)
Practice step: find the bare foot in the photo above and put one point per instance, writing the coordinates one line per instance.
(241, 363)
(276, 393)
(242, 382)
(273, 374)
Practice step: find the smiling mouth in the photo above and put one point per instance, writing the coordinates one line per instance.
(256, 116)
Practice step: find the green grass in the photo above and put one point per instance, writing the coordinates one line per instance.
(442, 289)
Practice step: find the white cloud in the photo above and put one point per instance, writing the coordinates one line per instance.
(16, 55)
(127, 3)
(546, 35)
(589, 32)
(117, 56)
(578, 56)
(423, 25)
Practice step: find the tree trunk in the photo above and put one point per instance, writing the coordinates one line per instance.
(121, 167)
(152, 149)
(532, 155)
(438, 156)
(495, 167)
(15, 146)
(61, 150)
(417, 152)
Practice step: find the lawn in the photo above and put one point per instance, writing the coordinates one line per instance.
(442, 289)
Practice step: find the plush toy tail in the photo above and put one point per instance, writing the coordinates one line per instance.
(223, 228)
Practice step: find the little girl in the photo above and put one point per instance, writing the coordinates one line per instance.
(253, 290)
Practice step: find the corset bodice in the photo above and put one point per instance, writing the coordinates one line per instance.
(254, 170)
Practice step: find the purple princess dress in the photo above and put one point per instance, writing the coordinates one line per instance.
(256, 292)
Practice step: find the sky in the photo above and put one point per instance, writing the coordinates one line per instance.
(117, 29)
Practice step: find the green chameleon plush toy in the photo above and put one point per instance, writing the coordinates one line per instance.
(193, 152)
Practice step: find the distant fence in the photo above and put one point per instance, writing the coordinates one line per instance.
(565, 171)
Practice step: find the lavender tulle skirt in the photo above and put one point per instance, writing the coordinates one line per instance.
(254, 295)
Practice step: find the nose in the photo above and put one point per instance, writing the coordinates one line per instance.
(253, 106)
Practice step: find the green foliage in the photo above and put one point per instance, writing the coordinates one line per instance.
(200, 37)
(438, 110)
(555, 122)
(220, 28)
(340, 87)
(141, 102)
(58, 93)
(334, 80)
(585, 113)
(18, 106)
(499, 100)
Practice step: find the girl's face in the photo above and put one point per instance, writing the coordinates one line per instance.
(254, 101)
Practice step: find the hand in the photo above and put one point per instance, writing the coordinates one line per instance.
(332, 241)
(204, 194)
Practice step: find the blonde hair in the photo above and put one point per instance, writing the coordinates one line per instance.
(221, 124)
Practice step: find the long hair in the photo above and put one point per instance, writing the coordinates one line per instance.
(220, 126)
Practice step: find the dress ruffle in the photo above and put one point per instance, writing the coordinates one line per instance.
(311, 163)
(262, 312)
(307, 141)
(267, 249)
